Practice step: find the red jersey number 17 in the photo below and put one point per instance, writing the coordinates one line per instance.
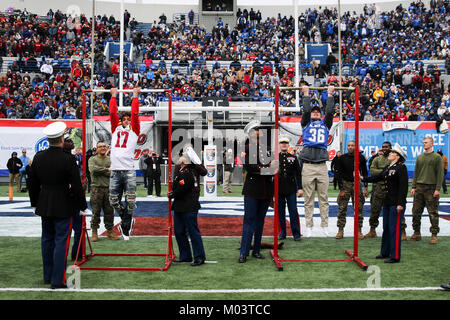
(121, 134)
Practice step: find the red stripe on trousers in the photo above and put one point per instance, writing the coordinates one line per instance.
(67, 247)
(397, 234)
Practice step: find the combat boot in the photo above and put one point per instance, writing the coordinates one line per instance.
(404, 238)
(371, 234)
(110, 234)
(434, 238)
(360, 235)
(340, 233)
(94, 236)
(415, 237)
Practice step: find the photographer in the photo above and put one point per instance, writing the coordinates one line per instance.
(153, 163)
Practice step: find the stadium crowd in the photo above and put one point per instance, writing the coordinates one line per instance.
(385, 49)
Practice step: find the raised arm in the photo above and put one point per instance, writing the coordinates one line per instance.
(328, 120)
(113, 115)
(306, 117)
(135, 124)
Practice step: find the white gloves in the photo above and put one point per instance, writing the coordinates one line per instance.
(85, 212)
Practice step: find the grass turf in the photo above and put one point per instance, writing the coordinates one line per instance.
(422, 265)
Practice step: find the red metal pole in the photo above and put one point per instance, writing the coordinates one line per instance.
(169, 187)
(356, 197)
(83, 177)
(276, 182)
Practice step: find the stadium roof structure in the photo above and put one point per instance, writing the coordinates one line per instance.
(259, 3)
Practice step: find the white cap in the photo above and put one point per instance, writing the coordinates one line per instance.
(55, 129)
(254, 124)
(398, 149)
(283, 139)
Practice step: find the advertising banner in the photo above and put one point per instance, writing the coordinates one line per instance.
(210, 180)
(17, 135)
(409, 135)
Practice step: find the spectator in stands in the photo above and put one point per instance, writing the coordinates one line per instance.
(47, 69)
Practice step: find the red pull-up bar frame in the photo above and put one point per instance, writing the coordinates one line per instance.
(353, 256)
(169, 254)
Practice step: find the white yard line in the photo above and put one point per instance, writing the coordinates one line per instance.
(219, 291)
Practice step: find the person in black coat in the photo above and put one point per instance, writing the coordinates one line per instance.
(289, 187)
(396, 177)
(153, 163)
(185, 206)
(14, 165)
(54, 180)
(257, 191)
(77, 222)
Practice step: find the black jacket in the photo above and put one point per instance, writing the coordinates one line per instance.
(257, 185)
(290, 175)
(183, 192)
(150, 161)
(396, 178)
(197, 170)
(345, 168)
(14, 165)
(55, 178)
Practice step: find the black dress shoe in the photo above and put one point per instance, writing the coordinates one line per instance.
(446, 287)
(258, 255)
(281, 238)
(59, 286)
(197, 263)
(176, 260)
(297, 239)
(391, 260)
(380, 256)
(242, 259)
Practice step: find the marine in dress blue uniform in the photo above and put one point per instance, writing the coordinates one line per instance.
(290, 186)
(54, 180)
(396, 177)
(258, 193)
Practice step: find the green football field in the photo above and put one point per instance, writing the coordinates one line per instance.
(423, 269)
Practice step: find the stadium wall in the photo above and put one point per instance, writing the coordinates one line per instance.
(150, 12)
(372, 134)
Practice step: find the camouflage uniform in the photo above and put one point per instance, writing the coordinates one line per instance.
(428, 176)
(100, 200)
(424, 197)
(348, 187)
(100, 177)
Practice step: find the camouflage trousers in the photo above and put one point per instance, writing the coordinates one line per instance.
(100, 200)
(379, 192)
(348, 187)
(424, 198)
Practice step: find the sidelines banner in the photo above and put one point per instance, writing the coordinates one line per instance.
(409, 135)
(210, 162)
(16, 135)
(102, 132)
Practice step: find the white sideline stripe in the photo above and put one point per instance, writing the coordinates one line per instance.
(280, 290)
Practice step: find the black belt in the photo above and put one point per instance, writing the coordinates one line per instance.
(310, 162)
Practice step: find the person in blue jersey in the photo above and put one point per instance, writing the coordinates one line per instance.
(314, 156)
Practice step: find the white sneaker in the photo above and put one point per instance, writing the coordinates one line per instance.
(125, 237)
(150, 196)
(325, 231)
(308, 232)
